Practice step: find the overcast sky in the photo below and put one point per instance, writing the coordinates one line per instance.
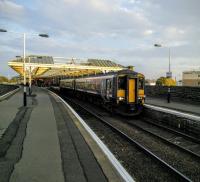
(121, 30)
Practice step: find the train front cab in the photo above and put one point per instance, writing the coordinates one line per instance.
(130, 94)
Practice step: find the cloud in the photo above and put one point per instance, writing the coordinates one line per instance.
(11, 10)
(148, 32)
(124, 30)
(84, 18)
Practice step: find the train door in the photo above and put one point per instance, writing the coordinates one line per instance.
(108, 88)
(122, 87)
(131, 90)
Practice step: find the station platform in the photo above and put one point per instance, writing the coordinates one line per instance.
(45, 142)
(174, 105)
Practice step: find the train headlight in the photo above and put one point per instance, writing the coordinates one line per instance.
(141, 98)
(121, 98)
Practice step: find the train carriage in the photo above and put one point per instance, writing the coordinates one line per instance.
(121, 92)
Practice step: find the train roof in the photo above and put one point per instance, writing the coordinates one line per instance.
(111, 73)
(121, 72)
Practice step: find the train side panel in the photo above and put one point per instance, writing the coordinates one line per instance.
(101, 86)
(122, 91)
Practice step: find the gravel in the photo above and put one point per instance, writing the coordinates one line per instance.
(138, 164)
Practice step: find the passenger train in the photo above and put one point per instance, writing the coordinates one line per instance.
(121, 92)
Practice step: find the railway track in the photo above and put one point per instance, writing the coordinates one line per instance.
(179, 140)
(164, 167)
(184, 135)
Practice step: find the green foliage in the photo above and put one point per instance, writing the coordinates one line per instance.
(162, 81)
(170, 82)
(3, 79)
(13, 80)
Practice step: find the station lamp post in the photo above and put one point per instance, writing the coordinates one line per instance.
(24, 58)
(30, 76)
(169, 73)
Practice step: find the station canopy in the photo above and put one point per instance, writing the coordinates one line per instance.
(47, 66)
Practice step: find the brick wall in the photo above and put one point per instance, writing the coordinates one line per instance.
(187, 94)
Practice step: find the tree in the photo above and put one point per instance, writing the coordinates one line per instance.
(162, 81)
(3, 79)
(170, 82)
(14, 80)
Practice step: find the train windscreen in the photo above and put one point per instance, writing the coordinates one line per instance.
(141, 84)
(122, 83)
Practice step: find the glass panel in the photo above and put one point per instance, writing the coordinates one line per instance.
(141, 84)
(122, 83)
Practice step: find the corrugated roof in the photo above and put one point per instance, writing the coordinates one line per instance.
(102, 62)
(37, 59)
(46, 66)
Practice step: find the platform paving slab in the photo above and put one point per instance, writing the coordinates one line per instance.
(109, 170)
(179, 106)
(48, 146)
(8, 110)
(79, 163)
(11, 142)
(41, 158)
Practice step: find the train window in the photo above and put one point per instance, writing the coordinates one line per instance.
(98, 84)
(141, 84)
(110, 84)
(107, 84)
(122, 83)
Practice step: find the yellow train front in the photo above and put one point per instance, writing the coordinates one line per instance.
(121, 92)
(129, 93)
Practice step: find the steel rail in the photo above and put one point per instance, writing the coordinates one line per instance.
(116, 164)
(2, 97)
(173, 131)
(166, 141)
(138, 145)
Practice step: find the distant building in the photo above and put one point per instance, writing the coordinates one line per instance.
(191, 78)
(150, 82)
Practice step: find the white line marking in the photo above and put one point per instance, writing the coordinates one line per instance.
(120, 169)
(171, 111)
(9, 93)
